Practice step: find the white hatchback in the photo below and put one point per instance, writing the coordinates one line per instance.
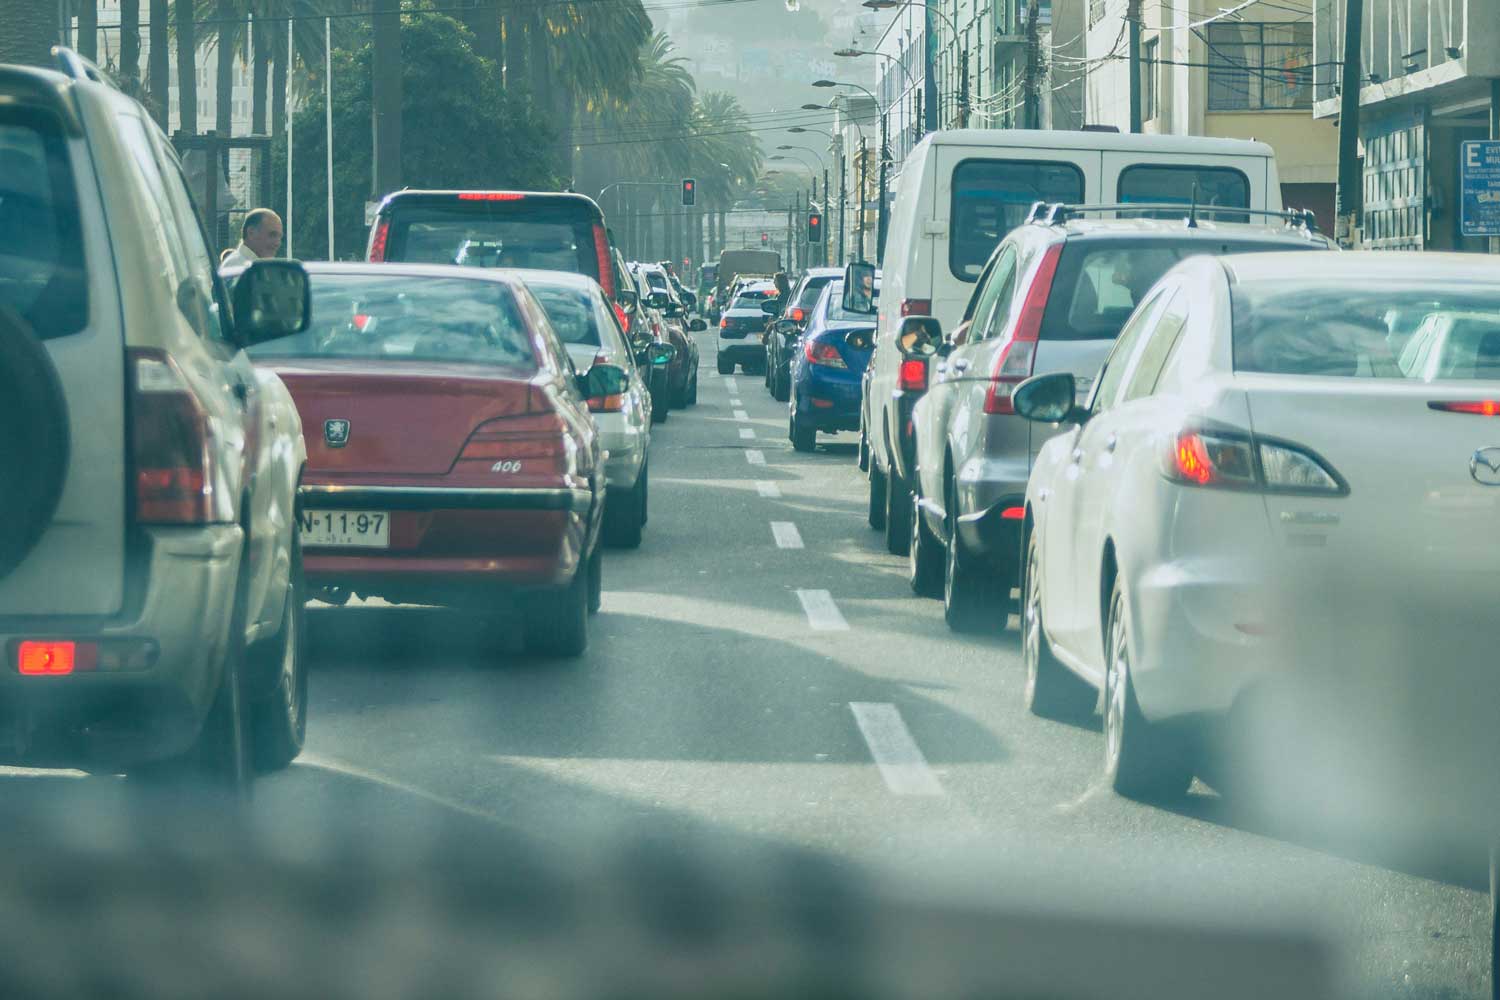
(1283, 491)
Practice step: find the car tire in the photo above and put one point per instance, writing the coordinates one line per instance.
(1052, 690)
(278, 721)
(897, 514)
(766, 378)
(725, 367)
(33, 436)
(692, 388)
(1141, 761)
(781, 390)
(557, 623)
(876, 515)
(924, 557)
(969, 603)
(625, 515)
(661, 408)
(596, 580)
(862, 456)
(804, 436)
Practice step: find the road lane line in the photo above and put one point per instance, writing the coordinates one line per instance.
(747, 433)
(894, 750)
(769, 490)
(822, 614)
(735, 402)
(729, 384)
(786, 534)
(755, 457)
(741, 415)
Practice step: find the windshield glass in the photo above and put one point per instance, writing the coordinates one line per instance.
(575, 313)
(401, 318)
(492, 234)
(41, 257)
(836, 313)
(1367, 331)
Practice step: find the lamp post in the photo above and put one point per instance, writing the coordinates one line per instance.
(843, 182)
(883, 153)
(827, 191)
(929, 50)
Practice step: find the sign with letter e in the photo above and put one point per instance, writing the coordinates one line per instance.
(1479, 168)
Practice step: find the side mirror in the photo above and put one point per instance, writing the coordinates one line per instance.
(658, 300)
(271, 299)
(661, 354)
(689, 299)
(771, 307)
(696, 325)
(920, 336)
(859, 288)
(1047, 399)
(601, 382)
(629, 301)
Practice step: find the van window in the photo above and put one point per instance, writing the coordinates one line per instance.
(519, 233)
(992, 197)
(1175, 185)
(42, 274)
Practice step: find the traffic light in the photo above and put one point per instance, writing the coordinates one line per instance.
(689, 191)
(815, 227)
(765, 238)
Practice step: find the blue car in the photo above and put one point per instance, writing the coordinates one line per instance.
(827, 367)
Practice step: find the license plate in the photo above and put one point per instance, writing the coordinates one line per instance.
(355, 529)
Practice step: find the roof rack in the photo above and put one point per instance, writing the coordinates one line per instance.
(1058, 213)
(75, 66)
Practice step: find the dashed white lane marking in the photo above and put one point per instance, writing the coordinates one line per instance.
(735, 402)
(729, 384)
(822, 614)
(755, 456)
(897, 755)
(786, 534)
(741, 415)
(769, 490)
(747, 433)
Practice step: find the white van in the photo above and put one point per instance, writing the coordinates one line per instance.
(961, 191)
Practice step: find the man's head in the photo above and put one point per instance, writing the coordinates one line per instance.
(261, 232)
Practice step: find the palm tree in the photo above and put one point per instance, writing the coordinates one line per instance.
(28, 30)
(159, 66)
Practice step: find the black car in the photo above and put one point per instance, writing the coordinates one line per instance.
(783, 332)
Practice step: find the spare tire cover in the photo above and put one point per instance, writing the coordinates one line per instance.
(33, 439)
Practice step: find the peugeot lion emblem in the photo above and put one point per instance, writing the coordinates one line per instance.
(1484, 466)
(336, 433)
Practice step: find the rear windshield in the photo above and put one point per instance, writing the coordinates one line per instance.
(836, 313)
(42, 273)
(534, 234)
(752, 299)
(402, 318)
(1364, 329)
(1213, 186)
(812, 290)
(992, 197)
(575, 313)
(1100, 282)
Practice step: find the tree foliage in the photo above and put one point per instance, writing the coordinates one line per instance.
(460, 129)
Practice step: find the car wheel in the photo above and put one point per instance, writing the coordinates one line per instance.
(862, 456)
(804, 436)
(643, 482)
(660, 408)
(625, 515)
(1140, 760)
(33, 437)
(766, 378)
(897, 512)
(557, 623)
(924, 557)
(783, 386)
(968, 594)
(726, 367)
(1052, 690)
(876, 516)
(596, 581)
(692, 390)
(278, 721)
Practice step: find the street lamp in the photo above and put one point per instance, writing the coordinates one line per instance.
(883, 153)
(851, 53)
(929, 76)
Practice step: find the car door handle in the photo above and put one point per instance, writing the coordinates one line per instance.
(241, 391)
(1109, 444)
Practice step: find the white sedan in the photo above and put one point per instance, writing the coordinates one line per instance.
(1284, 491)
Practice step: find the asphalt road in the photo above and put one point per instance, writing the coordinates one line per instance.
(760, 672)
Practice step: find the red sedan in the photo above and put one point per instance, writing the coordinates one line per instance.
(451, 458)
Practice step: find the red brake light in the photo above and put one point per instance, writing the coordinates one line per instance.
(819, 353)
(529, 436)
(913, 375)
(175, 468)
(1193, 463)
(377, 241)
(797, 315)
(1016, 360)
(42, 659)
(916, 307)
(1013, 513)
(1478, 407)
(724, 323)
(606, 262)
(490, 196)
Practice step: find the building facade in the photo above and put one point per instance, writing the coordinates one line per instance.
(1428, 71)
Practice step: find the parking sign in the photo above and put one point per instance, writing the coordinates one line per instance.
(1480, 169)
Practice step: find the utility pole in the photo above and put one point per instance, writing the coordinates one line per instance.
(827, 206)
(843, 196)
(885, 155)
(963, 84)
(1133, 21)
(385, 99)
(860, 200)
(1350, 180)
(1033, 67)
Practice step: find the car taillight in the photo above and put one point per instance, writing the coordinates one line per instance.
(607, 404)
(723, 324)
(490, 196)
(54, 659)
(797, 315)
(1241, 461)
(606, 263)
(176, 472)
(916, 307)
(1478, 407)
(622, 316)
(377, 242)
(1017, 358)
(532, 435)
(819, 353)
(912, 377)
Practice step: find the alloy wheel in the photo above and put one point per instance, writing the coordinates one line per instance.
(1116, 685)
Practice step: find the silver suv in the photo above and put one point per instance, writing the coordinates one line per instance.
(150, 580)
(1052, 297)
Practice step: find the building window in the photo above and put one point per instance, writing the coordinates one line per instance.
(1257, 67)
(1149, 62)
(1096, 11)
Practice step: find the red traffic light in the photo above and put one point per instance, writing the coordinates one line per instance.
(765, 237)
(815, 227)
(689, 191)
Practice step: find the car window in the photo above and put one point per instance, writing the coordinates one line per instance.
(836, 313)
(999, 289)
(1159, 347)
(399, 318)
(201, 265)
(811, 291)
(519, 233)
(161, 230)
(1207, 186)
(570, 311)
(992, 197)
(43, 274)
(1118, 362)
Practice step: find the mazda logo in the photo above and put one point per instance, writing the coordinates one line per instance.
(336, 433)
(1484, 466)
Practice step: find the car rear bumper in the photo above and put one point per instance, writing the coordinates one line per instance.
(627, 454)
(828, 399)
(152, 702)
(742, 351)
